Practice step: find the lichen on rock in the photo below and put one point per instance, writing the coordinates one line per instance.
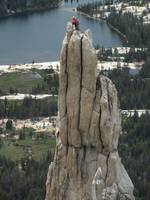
(86, 164)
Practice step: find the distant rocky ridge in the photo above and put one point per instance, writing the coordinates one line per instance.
(10, 7)
(86, 165)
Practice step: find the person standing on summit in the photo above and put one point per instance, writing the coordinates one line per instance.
(75, 23)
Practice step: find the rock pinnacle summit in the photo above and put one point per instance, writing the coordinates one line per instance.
(86, 164)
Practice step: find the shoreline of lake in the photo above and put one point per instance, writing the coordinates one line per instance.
(123, 36)
(30, 10)
(33, 37)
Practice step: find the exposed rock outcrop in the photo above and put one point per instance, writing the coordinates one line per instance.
(86, 164)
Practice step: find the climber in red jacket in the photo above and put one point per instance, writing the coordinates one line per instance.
(75, 23)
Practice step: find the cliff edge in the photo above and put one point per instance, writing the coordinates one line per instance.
(86, 165)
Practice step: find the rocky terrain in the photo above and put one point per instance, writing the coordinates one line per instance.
(86, 165)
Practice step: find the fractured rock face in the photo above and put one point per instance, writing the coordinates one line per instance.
(86, 164)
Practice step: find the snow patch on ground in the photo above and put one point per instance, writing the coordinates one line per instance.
(114, 65)
(24, 67)
(41, 124)
(22, 96)
(130, 113)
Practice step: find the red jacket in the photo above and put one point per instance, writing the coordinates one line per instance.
(75, 21)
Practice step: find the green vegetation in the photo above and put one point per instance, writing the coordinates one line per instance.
(28, 144)
(135, 2)
(18, 82)
(136, 32)
(89, 8)
(24, 164)
(9, 124)
(134, 93)
(28, 108)
(31, 82)
(133, 90)
(9, 7)
(29, 151)
(131, 26)
(106, 54)
(134, 149)
(18, 150)
(23, 180)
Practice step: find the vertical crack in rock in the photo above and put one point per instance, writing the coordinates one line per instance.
(100, 137)
(80, 87)
(66, 92)
(107, 170)
(109, 101)
(86, 164)
(81, 63)
(66, 72)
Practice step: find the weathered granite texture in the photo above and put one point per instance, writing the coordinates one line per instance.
(86, 164)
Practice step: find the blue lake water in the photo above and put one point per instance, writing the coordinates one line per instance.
(38, 36)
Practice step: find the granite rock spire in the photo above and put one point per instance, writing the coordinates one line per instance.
(86, 165)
